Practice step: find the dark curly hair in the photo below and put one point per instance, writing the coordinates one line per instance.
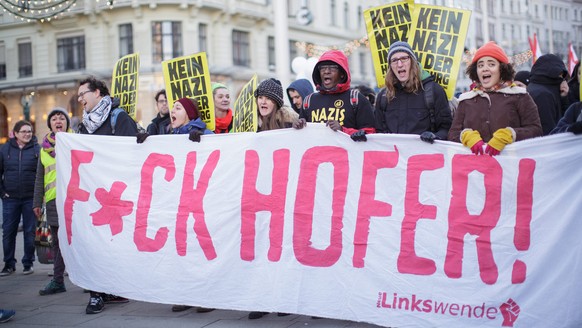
(507, 72)
(95, 84)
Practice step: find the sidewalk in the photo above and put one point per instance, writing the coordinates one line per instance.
(20, 293)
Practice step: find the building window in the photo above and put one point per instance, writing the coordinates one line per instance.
(166, 40)
(125, 39)
(360, 15)
(71, 53)
(271, 50)
(363, 61)
(2, 61)
(25, 59)
(203, 38)
(492, 31)
(241, 48)
(346, 15)
(332, 13)
(293, 52)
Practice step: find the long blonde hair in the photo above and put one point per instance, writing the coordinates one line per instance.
(278, 119)
(413, 85)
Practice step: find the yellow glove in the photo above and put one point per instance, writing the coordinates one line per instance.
(501, 138)
(470, 137)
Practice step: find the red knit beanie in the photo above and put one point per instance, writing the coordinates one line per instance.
(493, 50)
(190, 106)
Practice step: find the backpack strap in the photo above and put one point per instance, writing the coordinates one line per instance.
(354, 99)
(429, 102)
(114, 115)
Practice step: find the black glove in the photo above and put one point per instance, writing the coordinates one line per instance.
(334, 125)
(359, 135)
(575, 128)
(141, 137)
(299, 123)
(195, 135)
(428, 136)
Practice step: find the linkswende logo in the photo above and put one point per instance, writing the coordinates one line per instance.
(509, 310)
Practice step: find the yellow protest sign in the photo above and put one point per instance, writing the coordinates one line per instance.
(437, 35)
(244, 117)
(188, 76)
(385, 25)
(124, 84)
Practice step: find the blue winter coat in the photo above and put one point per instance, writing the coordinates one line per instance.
(18, 168)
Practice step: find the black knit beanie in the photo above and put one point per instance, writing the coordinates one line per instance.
(272, 89)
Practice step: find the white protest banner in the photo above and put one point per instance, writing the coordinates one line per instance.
(392, 231)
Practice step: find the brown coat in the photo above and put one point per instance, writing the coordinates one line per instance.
(487, 112)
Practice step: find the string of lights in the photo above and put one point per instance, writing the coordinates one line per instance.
(39, 10)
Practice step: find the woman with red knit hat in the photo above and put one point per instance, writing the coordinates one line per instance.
(185, 119)
(496, 112)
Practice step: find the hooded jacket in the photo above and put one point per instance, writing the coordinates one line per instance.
(303, 87)
(544, 88)
(18, 168)
(488, 112)
(335, 103)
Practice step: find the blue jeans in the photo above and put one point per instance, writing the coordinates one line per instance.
(12, 210)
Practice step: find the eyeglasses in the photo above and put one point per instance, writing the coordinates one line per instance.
(402, 60)
(333, 68)
(25, 131)
(81, 94)
(162, 101)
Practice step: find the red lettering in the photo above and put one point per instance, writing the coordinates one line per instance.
(113, 208)
(74, 192)
(521, 238)
(408, 261)
(253, 201)
(192, 201)
(140, 238)
(368, 206)
(461, 222)
(305, 253)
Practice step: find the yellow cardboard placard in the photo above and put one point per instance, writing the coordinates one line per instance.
(189, 76)
(245, 117)
(125, 82)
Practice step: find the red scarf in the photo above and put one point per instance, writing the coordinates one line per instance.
(223, 123)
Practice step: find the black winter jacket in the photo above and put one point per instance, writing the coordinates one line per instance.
(159, 125)
(18, 168)
(407, 113)
(124, 125)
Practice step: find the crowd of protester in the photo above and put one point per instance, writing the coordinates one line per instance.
(501, 108)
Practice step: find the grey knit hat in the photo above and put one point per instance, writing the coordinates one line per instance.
(399, 46)
(272, 89)
(58, 110)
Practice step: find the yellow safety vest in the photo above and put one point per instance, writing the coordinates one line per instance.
(50, 176)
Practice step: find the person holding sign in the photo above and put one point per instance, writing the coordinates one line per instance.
(222, 111)
(161, 123)
(45, 191)
(102, 116)
(496, 112)
(341, 108)
(186, 119)
(411, 102)
(272, 113)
